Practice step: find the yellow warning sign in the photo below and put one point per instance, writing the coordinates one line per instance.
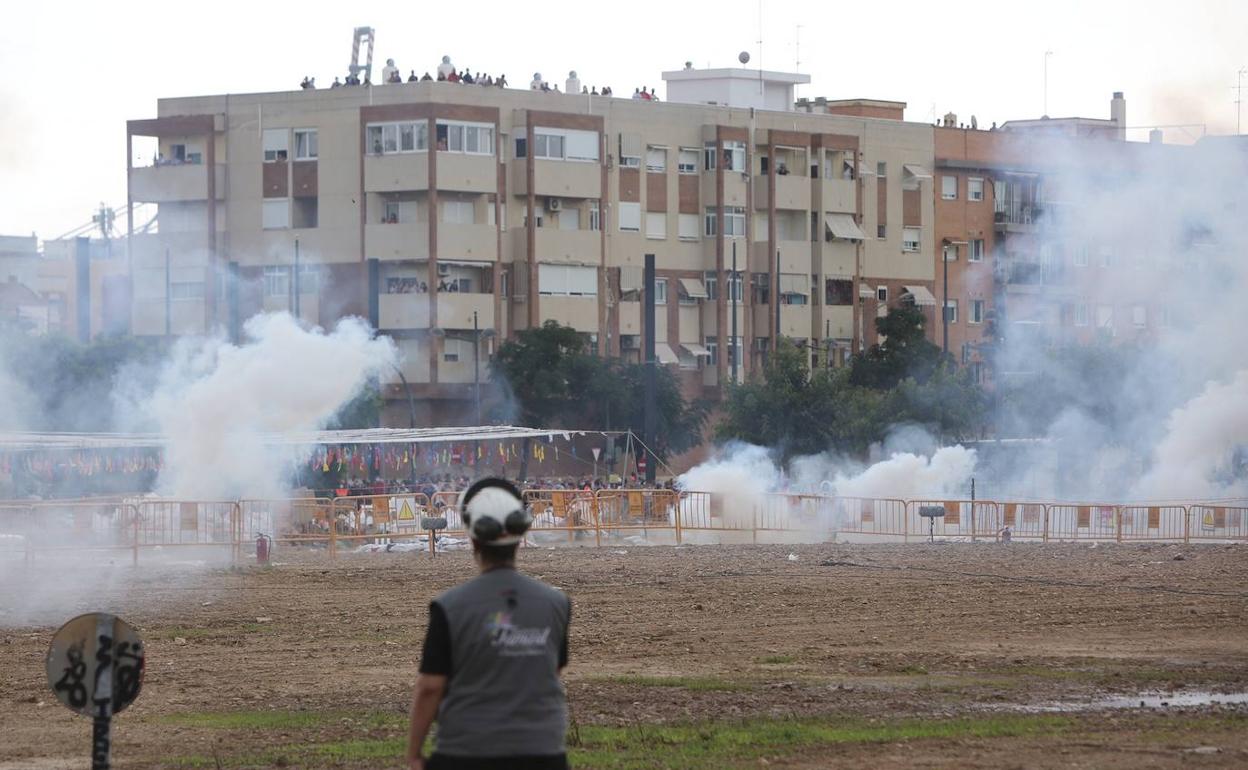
(1207, 521)
(407, 509)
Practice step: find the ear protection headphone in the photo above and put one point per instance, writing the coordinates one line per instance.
(491, 526)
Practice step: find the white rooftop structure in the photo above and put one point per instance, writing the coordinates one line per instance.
(733, 87)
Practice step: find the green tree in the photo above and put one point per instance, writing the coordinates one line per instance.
(556, 380)
(949, 404)
(905, 352)
(800, 411)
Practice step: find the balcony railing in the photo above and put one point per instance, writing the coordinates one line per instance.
(1018, 212)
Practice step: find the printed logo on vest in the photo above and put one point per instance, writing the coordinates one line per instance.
(512, 640)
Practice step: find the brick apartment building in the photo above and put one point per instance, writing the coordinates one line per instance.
(453, 215)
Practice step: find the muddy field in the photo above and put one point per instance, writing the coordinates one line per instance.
(814, 656)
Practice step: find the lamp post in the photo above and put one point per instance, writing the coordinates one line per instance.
(732, 308)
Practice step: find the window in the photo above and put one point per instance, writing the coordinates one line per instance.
(1107, 256)
(974, 188)
(276, 281)
(948, 187)
(630, 217)
(567, 280)
(977, 312)
(656, 225)
(595, 216)
(762, 288)
(470, 138)
(305, 144)
(388, 138)
(688, 227)
(881, 231)
(1081, 256)
(881, 170)
(304, 213)
(457, 212)
(951, 311)
(522, 147)
(455, 350)
(975, 251)
(734, 156)
(186, 290)
(709, 156)
(309, 279)
(565, 144)
(1139, 316)
(1105, 317)
(656, 159)
(687, 161)
(838, 292)
(734, 222)
(393, 213)
(710, 280)
(1081, 314)
(735, 287)
(275, 213)
(712, 346)
(276, 142)
(881, 293)
(660, 291)
(910, 238)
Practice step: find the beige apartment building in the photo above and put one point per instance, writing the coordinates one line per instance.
(453, 215)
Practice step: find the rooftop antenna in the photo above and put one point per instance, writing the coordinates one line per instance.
(1239, 99)
(362, 33)
(1047, 54)
(760, 47)
(797, 55)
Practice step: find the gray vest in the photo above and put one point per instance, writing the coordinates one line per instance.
(504, 697)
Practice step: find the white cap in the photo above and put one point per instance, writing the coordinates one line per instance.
(494, 504)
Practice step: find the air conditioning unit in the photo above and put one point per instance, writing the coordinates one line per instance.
(444, 269)
(554, 204)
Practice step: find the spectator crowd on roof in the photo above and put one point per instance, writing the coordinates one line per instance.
(449, 73)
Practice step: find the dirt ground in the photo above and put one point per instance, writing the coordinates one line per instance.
(966, 655)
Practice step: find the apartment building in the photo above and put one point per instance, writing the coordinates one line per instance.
(71, 286)
(1030, 242)
(453, 215)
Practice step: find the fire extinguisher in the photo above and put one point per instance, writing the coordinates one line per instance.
(264, 545)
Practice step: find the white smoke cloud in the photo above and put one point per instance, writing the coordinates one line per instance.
(215, 402)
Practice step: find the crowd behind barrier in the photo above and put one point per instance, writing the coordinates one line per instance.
(608, 516)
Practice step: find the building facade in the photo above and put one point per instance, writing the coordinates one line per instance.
(453, 215)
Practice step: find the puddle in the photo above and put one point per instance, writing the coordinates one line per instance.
(1144, 700)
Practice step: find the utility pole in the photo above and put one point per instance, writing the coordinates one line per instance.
(476, 364)
(732, 308)
(1047, 54)
(295, 280)
(649, 418)
(944, 308)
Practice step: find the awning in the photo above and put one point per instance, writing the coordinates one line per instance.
(917, 171)
(922, 296)
(865, 170)
(663, 354)
(630, 278)
(865, 291)
(464, 263)
(693, 288)
(844, 227)
(696, 350)
(794, 284)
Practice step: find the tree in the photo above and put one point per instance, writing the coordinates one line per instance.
(557, 381)
(950, 404)
(905, 352)
(800, 411)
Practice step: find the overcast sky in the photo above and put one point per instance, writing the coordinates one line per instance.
(75, 72)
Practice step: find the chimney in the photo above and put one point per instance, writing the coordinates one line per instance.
(1118, 114)
(1155, 136)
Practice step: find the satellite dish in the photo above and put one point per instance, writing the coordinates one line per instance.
(744, 57)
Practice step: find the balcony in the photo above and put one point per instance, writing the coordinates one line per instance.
(172, 183)
(148, 249)
(840, 195)
(1022, 275)
(838, 322)
(1017, 216)
(464, 172)
(735, 187)
(475, 242)
(555, 245)
(455, 310)
(403, 311)
(792, 192)
(397, 172)
(399, 241)
(561, 179)
(795, 321)
(581, 313)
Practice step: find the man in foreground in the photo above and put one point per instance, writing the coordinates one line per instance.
(493, 653)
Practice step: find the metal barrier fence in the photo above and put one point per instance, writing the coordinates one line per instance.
(583, 517)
